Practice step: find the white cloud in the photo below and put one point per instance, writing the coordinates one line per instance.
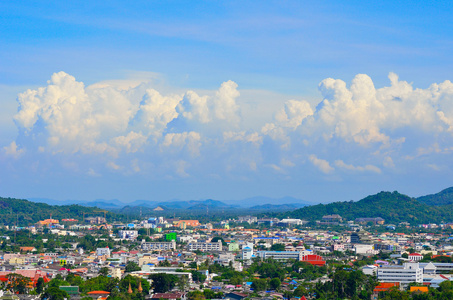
(13, 150)
(185, 140)
(321, 164)
(370, 168)
(133, 127)
(225, 106)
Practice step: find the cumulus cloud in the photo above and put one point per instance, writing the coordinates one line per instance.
(370, 168)
(13, 150)
(321, 164)
(132, 128)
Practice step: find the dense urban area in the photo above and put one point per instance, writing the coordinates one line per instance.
(105, 255)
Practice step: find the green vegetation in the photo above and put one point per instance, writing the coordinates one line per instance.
(392, 207)
(444, 197)
(25, 212)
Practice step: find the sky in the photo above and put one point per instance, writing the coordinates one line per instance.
(156, 100)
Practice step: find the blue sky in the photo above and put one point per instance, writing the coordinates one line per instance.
(153, 100)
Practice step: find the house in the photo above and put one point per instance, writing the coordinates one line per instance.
(313, 259)
(170, 296)
(385, 286)
(235, 296)
(103, 251)
(187, 223)
(420, 289)
(415, 257)
(27, 249)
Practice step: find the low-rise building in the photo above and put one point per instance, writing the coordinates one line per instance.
(216, 246)
(409, 272)
(156, 246)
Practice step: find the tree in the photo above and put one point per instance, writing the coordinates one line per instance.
(163, 282)
(183, 283)
(131, 267)
(259, 285)
(104, 271)
(275, 283)
(17, 283)
(165, 263)
(198, 276)
(196, 295)
(54, 293)
(40, 285)
(278, 247)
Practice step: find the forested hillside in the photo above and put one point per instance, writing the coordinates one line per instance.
(27, 212)
(392, 207)
(444, 197)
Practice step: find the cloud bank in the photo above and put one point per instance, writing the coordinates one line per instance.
(112, 128)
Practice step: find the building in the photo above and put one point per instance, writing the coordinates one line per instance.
(313, 259)
(187, 223)
(360, 237)
(128, 234)
(47, 222)
(232, 247)
(153, 246)
(375, 221)
(248, 219)
(103, 251)
(332, 219)
(216, 246)
(439, 267)
(280, 255)
(291, 222)
(247, 252)
(415, 257)
(409, 272)
(95, 220)
(171, 236)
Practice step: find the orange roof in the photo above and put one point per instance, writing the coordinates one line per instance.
(98, 292)
(385, 286)
(423, 289)
(27, 248)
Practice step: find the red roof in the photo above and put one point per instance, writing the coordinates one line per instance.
(313, 259)
(415, 254)
(98, 292)
(385, 286)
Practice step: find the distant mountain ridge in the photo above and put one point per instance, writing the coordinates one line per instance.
(393, 207)
(114, 204)
(444, 197)
(27, 212)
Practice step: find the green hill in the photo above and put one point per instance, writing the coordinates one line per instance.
(444, 197)
(27, 212)
(392, 207)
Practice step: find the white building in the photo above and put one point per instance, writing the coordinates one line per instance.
(280, 255)
(415, 257)
(103, 251)
(247, 252)
(216, 246)
(128, 234)
(409, 272)
(370, 270)
(158, 246)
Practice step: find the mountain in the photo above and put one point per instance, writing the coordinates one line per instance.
(392, 207)
(27, 212)
(444, 197)
(289, 206)
(101, 203)
(261, 200)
